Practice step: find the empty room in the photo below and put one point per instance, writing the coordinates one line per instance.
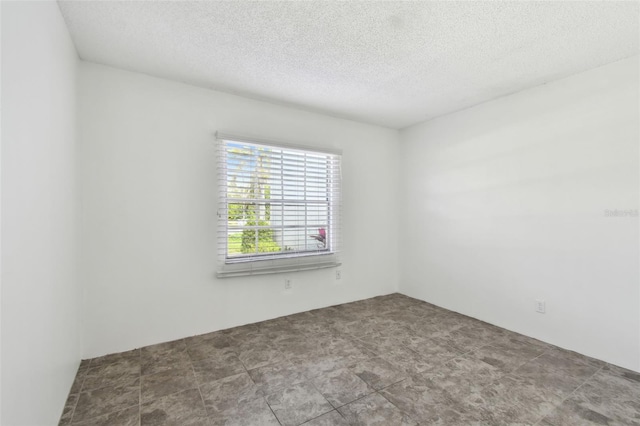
(320, 213)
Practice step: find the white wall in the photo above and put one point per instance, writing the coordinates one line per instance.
(148, 187)
(40, 296)
(504, 204)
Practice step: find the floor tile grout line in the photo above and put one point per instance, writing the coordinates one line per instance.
(95, 389)
(356, 400)
(313, 418)
(246, 371)
(514, 371)
(272, 412)
(140, 393)
(398, 408)
(167, 395)
(313, 385)
(571, 394)
(195, 376)
(84, 377)
(341, 415)
(107, 414)
(584, 383)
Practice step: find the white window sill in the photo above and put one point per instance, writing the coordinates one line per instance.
(274, 267)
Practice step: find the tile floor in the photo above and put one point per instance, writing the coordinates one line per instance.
(390, 360)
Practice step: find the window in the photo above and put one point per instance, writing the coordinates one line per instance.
(279, 207)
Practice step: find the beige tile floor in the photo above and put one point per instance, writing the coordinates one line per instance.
(390, 360)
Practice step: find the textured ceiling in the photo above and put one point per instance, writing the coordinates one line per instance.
(389, 63)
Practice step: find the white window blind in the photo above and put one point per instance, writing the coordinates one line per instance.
(279, 207)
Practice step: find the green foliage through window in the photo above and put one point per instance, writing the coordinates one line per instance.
(266, 243)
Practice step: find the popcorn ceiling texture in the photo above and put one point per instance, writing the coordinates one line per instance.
(388, 63)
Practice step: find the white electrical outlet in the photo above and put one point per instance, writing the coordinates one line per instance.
(338, 274)
(288, 283)
(541, 306)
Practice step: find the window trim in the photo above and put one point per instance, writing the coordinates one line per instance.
(271, 264)
(277, 144)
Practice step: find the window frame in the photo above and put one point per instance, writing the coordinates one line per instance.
(265, 263)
